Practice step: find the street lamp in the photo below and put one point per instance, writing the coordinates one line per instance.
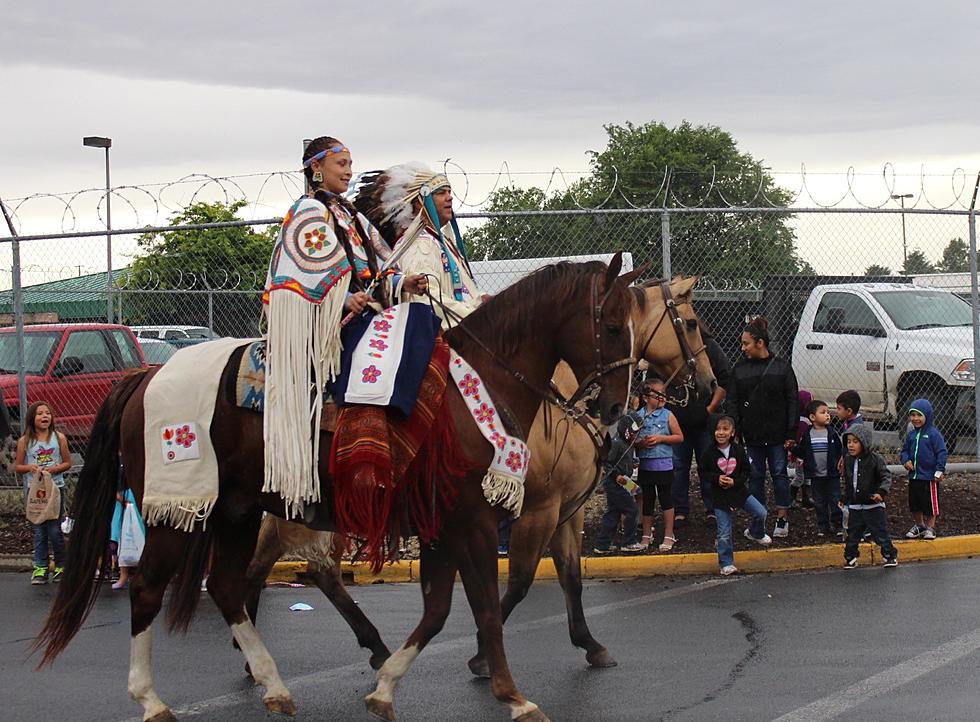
(95, 141)
(901, 199)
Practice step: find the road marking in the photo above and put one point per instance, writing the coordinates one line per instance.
(837, 703)
(316, 679)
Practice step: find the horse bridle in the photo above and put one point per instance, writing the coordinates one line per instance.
(690, 355)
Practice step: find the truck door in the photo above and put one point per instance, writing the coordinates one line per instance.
(83, 377)
(846, 350)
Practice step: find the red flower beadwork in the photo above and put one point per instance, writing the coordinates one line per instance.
(370, 375)
(382, 326)
(499, 440)
(515, 461)
(484, 414)
(378, 344)
(469, 385)
(185, 437)
(315, 238)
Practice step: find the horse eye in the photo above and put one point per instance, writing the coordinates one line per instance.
(613, 330)
(692, 324)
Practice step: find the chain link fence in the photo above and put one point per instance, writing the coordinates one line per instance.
(826, 278)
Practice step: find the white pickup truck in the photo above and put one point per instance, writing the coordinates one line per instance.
(891, 342)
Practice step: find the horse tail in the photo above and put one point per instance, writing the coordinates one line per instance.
(186, 589)
(95, 499)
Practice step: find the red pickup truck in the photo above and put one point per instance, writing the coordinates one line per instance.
(72, 366)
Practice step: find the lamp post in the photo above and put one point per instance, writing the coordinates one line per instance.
(95, 141)
(905, 254)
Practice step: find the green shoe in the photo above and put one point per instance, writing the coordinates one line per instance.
(39, 576)
(57, 574)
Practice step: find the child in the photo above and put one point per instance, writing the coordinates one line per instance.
(617, 484)
(726, 466)
(821, 450)
(849, 409)
(801, 482)
(660, 429)
(866, 484)
(924, 455)
(44, 447)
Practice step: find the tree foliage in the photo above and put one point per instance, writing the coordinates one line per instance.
(654, 166)
(877, 270)
(917, 263)
(215, 259)
(955, 258)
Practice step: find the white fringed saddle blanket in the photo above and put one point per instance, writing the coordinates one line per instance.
(181, 474)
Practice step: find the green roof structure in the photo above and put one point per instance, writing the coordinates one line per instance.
(80, 298)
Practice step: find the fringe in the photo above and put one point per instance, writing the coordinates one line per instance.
(505, 490)
(303, 354)
(181, 514)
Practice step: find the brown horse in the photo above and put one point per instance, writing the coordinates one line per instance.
(511, 343)
(563, 473)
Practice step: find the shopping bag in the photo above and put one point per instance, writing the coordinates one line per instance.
(131, 537)
(43, 499)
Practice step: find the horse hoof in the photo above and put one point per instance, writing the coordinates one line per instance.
(533, 715)
(600, 659)
(281, 705)
(164, 715)
(377, 660)
(479, 667)
(380, 708)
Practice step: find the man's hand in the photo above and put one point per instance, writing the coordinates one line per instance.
(876, 498)
(417, 284)
(357, 302)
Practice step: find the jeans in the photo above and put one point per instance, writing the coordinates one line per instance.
(503, 533)
(873, 520)
(50, 531)
(775, 455)
(619, 503)
(825, 494)
(757, 528)
(695, 442)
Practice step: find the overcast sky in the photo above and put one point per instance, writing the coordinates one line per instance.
(225, 88)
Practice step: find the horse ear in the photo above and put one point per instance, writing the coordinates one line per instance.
(615, 266)
(683, 286)
(627, 278)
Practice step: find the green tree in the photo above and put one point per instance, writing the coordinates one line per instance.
(654, 166)
(192, 261)
(955, 258)
(877, 270)
(917, 263)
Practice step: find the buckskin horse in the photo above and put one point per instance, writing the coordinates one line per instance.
(563, 473)
(512, 343)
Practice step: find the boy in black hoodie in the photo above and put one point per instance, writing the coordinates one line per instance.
(618, 470)
(866, 484)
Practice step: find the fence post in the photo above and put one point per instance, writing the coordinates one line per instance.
(665, 238)
(18, 299)
(975, 307)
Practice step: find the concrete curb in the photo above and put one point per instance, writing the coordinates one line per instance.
(781, 559)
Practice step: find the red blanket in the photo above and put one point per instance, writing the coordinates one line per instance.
(381, 462)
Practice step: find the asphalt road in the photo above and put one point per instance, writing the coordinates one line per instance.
(867, 644)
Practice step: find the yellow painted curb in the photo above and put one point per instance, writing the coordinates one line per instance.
(781, 559)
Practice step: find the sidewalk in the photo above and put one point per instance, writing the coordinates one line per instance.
(785, 559)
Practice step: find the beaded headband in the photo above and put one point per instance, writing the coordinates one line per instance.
(339, 148)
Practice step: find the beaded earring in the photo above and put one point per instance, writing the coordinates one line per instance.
(317, 177)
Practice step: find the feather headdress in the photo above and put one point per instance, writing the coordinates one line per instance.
(386, 197)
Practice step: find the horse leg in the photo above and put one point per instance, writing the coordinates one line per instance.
(327, 577)
(234, 544)
(437, 575)
(268, 549)
(477, 557)
(529, 539)
(566, 552)
(162, 552)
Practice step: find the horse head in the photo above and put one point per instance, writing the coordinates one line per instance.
(668, 333)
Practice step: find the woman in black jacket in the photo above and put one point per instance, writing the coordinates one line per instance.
(764, 400)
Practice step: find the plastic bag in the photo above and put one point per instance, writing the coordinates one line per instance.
(67, 525)
(43, 499)
(132, 537)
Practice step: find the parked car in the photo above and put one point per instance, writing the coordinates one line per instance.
(71, 366)
(156, 353)
(178, 336)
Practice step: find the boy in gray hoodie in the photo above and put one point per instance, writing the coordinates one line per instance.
(866, 481)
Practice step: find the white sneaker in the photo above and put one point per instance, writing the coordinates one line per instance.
(727, 571)
(782, 528)
(929, 533)
(765, 541)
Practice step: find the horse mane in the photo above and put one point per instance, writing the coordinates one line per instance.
(503, 321)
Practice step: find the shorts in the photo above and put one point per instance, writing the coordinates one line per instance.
(924, 497)
(656, 484)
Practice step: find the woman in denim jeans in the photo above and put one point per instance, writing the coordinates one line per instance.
(763, 398)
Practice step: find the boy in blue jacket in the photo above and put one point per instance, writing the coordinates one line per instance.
(924, 455)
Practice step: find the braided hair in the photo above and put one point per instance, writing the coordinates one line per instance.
(758, 329)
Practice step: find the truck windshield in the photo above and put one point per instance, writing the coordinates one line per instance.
(913, 309)
(37, 351)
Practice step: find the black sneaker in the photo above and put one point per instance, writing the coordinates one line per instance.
(822, 532)
(890, 562)
(839, 533)
(600, 551)
(851, 563)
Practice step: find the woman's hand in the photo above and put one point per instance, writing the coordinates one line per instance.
(417, 284)
(357, 302)
(789, 444)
